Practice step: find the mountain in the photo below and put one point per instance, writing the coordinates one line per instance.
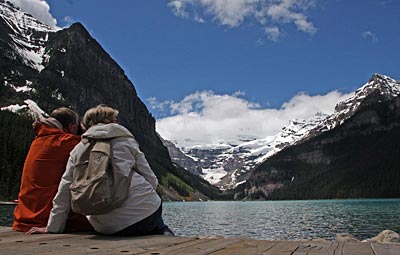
(226, 164)
(70, 68)
(352, 153)
(271, 167)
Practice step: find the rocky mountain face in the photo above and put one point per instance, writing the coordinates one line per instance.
(177, 156)
(70, 68)
(351, 154)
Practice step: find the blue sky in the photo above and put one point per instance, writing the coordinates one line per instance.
(196, 61)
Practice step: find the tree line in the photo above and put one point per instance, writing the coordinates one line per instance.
(16, 135)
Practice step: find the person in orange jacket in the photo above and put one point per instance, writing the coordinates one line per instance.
(44, 166)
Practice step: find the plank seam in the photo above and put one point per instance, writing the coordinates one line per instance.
(300, 244)
(372, 248)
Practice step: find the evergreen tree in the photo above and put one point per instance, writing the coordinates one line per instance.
(16, 135)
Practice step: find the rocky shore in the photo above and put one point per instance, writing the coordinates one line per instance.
(386, 236)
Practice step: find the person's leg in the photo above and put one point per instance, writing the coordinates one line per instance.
(152, 225)
(162, 229)
(77, 223)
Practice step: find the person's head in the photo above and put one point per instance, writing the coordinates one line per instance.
(99, 114)
(68, 119)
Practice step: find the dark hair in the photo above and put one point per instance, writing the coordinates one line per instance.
(65, 116)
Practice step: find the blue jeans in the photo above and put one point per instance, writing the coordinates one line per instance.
(152, 225)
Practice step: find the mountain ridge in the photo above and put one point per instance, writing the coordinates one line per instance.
(230, 164)
(354, 157)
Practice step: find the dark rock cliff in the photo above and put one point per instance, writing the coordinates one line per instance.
(84, 75)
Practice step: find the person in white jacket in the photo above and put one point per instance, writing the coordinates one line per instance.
(141, 213)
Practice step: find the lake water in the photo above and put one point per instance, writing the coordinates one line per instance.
(273, 220)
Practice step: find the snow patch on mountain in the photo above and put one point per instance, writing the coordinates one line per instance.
(15, 108)
(28, 34)
(26, 88)
(31, 106)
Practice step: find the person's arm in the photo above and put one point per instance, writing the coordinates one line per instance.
(37, 230)
(127, 154)
(61, 202)
(61, 206)
(143, 167)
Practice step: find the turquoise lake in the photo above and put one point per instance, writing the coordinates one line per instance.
(273, 220)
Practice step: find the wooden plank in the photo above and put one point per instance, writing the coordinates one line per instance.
(40, 243)
(77, 243)
(247, 247)
(313, 248)
(13, 242)
(13, 238)
(355, 248)
(154, 247)
(118, 246)
(4, 229)
(202, 247)
(336, 248)
(385, 249)
(283, 248)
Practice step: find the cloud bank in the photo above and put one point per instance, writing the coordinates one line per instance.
(271, 15)
(39, 9)
(204, 118)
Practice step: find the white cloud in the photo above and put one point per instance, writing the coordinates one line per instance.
(39, 9)
(68, 20)
(288, 11)
(178, 7)
(273, 33)
(232, 13)
(370, 36)
(228, 12)
(205, 118)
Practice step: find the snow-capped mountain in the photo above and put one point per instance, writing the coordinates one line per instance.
(226, 164)
(353, 153)
(223, 163)
(386, 86)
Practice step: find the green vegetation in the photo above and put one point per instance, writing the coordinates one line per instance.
(182, 181)
(16, 135)
(177, 184)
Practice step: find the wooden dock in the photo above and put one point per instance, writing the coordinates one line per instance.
(12, 242)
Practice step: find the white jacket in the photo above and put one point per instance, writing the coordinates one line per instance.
(142, 200)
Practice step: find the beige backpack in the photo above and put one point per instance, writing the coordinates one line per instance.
(98, 185)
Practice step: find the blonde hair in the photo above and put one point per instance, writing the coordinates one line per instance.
(99, 114)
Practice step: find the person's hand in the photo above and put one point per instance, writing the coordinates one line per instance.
(36, 230)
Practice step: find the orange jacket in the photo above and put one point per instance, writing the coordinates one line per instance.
(44, 166)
